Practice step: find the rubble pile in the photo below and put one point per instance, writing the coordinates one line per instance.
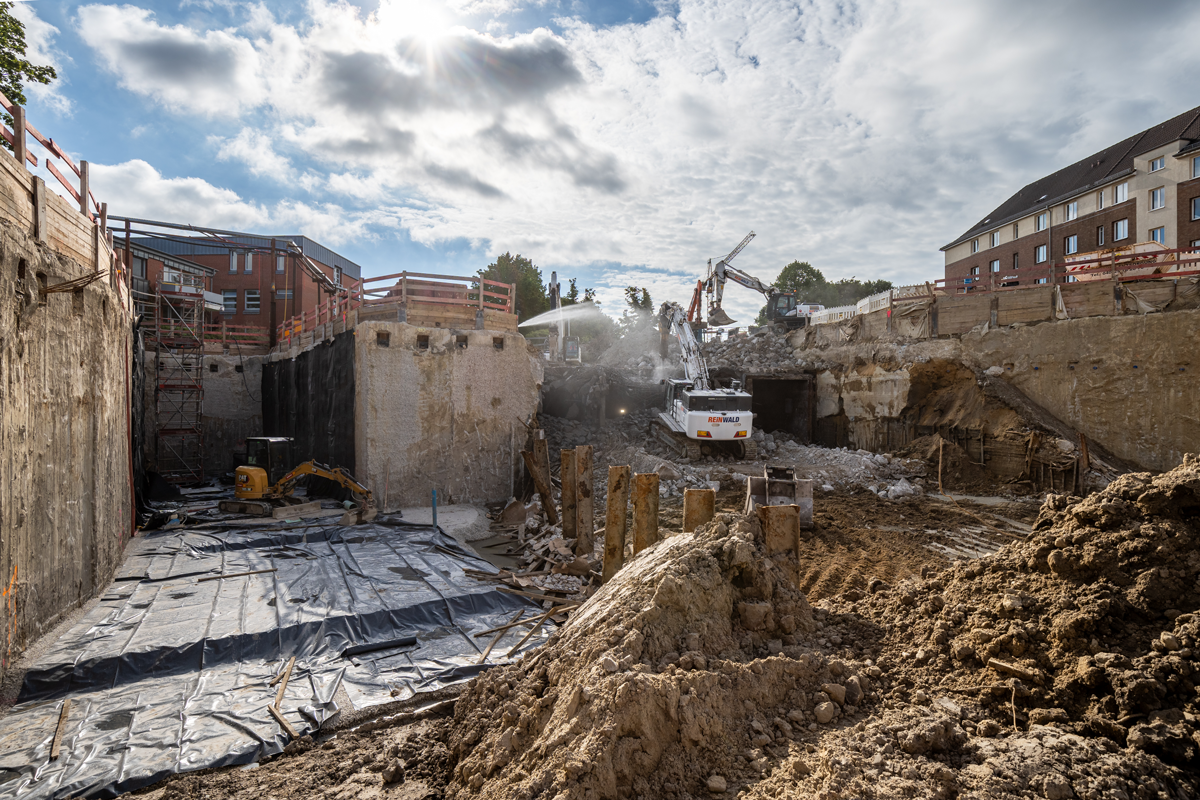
(764, 351)
(1062, 666)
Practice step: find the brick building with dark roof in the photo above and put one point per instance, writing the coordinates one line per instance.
(1144, 188)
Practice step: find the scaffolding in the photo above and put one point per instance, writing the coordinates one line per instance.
(179, 384)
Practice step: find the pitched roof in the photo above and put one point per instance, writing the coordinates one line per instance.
(1097, 169)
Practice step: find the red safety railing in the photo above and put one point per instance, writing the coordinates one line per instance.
(404, 288)
(1122, 266)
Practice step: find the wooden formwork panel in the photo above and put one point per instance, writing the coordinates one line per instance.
(499, 321)
(956, 316)
(1025, 305)
(1088, 299)
(1156, 293)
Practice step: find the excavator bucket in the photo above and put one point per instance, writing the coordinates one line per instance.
(718, 317)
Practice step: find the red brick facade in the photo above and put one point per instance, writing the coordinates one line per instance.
(1188, 230)
(1024, 249)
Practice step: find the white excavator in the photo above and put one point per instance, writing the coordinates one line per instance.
(701, 419)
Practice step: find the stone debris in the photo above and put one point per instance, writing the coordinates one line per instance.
(700, 661)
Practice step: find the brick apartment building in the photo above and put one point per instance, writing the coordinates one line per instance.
(1145, 188)
(245, 281)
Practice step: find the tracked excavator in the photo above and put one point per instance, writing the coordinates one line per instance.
(701, 419)
(266, 483)
(782, 307)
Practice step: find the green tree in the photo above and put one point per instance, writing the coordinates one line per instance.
(531, 291)
(572, 295)
(811, 286)
(638, 299)
(15, 69)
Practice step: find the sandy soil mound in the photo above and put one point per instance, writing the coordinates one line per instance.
(1060, 667)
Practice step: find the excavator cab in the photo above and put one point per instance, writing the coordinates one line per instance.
(268, 459)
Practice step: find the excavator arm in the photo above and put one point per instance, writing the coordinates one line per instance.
(722, 272)
(335, 474)
(693, 362)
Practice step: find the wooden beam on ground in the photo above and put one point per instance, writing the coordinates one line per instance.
(283, 723)
(499, 636)
(56, 745)
(235, 574)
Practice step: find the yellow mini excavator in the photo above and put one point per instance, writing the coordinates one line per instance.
(265, 483)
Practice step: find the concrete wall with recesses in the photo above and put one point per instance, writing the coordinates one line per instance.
(441, 409)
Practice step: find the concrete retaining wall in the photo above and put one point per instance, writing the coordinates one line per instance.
(440, 416)
(65, 487)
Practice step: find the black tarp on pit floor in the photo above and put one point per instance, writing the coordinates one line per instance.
(168, 674)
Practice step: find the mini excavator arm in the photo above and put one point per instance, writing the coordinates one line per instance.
(335, 474)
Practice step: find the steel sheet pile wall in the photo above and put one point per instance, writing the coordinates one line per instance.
(65, 488)
(311, 398)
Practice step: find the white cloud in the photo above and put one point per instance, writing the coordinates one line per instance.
(255, 150)
(41, 51)
(860, 136)
(144, 192)
(215, 73)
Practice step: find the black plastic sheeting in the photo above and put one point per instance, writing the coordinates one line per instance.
(311, 399)
(169, 674)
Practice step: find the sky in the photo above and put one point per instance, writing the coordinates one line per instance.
(620, 143)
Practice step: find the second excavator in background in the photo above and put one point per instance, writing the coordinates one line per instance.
(783, 308)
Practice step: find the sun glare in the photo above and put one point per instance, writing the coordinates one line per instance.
(423, 20)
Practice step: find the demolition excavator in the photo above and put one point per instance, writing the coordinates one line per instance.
(701, 419)
(783, 309)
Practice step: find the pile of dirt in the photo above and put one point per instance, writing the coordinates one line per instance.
(1062, 666)
(958, 471)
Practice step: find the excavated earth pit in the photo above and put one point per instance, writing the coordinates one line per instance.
(1062, 665)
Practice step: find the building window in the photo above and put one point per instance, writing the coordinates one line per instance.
(1159, 234)
(1040, 280)
(1071, 211)
(139, 263)
(1120, 230)
(1196, 243)
(1099, 199)
(249, 263)
(1100, 236)
(995, 265)
(995, 238)
(279, 263)
(1041, 222)
(283, 294)
(337, 276)
(1158, 198)
(1195, 215)
(974, 245)
(1071, 244)
(1156, 164)
(1196, 167)
(229, 296)
(1016, 261)
(1039, 255)
(1015, 229)
(252, 301)
(974, 270)
(232, 263)
(1120, 193)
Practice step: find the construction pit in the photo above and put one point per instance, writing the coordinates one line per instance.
(987, 605)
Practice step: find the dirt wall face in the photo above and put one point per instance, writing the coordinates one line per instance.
(1129, 382)
(65, 488)
(440, 409)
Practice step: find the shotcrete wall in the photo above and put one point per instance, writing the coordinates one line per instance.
(65, 485)
(1128, 383)
(445, 412)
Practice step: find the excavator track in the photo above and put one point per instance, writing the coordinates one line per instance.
(679, 444)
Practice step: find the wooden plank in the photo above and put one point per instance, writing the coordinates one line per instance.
(283, 723)
(498, 637)
(56, 745)
(543, 489)
(296, 511)
(283, 679)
